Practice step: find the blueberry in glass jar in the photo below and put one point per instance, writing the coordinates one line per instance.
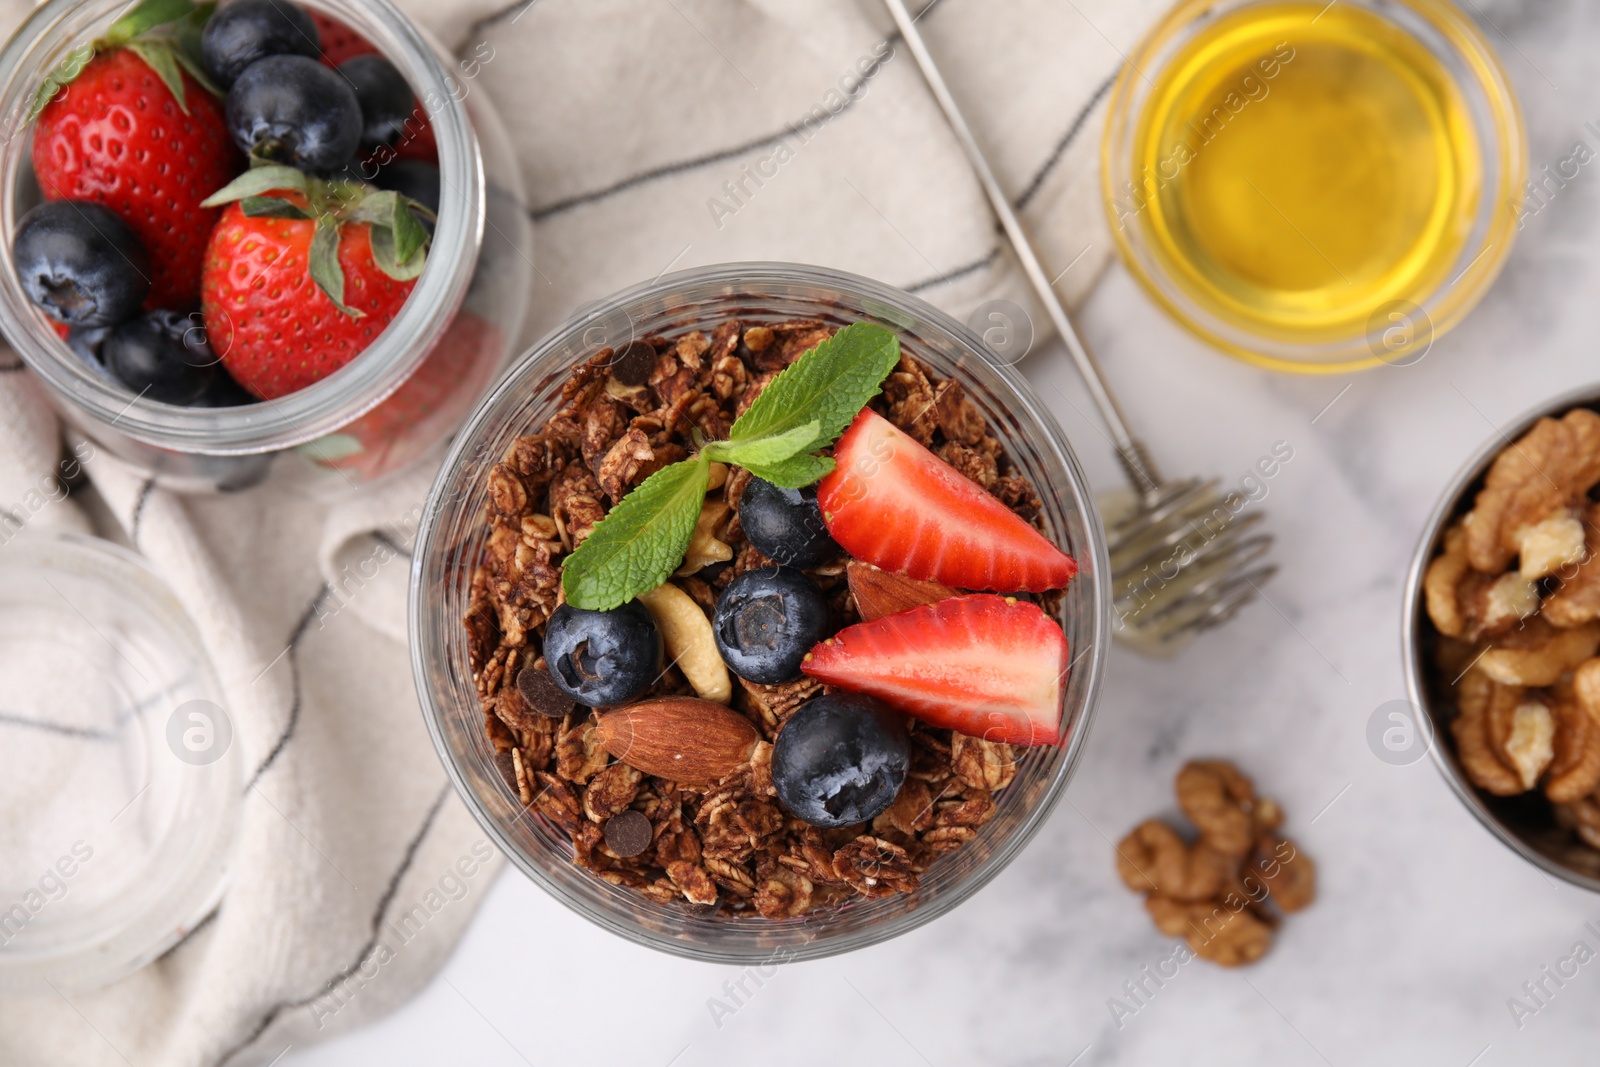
(386, 100)
(840, 760)
(766, 621)
(786, 524)
(247, 30)
(603, 658)
(294, 110)
(81, 263)
(161, 355)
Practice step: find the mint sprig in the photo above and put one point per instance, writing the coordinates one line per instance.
(829, 385)
(637, 546)
(642, 541)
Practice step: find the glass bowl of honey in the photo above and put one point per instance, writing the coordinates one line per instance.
(1311, 186)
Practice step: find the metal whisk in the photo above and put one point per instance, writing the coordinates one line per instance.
(1184, 555)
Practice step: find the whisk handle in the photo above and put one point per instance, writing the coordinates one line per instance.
(1131, 452)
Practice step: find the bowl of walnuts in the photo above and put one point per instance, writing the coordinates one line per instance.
(1502, 631)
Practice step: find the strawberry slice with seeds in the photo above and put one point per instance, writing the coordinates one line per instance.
(988, 666)
(895, 504)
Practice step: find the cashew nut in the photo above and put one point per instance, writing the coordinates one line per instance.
(705, 547)
(690, 643)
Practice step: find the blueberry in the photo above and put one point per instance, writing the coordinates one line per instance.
(786, 524)
(387, 102)
(162, 356)
(81, 263)
(766, 621)
(603, 658)
(247, 30)
(840, 760)
(224, 393)
(294, 110)
(86, 341)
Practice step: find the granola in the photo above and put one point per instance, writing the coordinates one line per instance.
(726, 845)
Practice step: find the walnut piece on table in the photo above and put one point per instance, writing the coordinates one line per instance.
(1223, 892)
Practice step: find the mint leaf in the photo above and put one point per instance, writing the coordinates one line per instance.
(766, 451)
(796, 472)
(829, 385)
(639, 545)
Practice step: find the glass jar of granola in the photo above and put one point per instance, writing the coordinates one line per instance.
(691, 341)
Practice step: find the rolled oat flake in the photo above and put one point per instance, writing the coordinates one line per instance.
(541, 693)
(629, 833)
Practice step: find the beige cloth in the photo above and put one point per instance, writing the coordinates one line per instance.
(654, 135)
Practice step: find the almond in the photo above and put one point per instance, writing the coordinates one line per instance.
(879, 593)
(681, 739)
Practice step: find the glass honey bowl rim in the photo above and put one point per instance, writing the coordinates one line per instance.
(1497, 122)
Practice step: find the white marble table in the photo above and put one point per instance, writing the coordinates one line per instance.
(1425, 925)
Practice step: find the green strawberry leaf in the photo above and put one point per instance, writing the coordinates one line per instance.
(399, 241)
(257, 181)
(185, 36)
(388, 258)
(766, 451)
(638, 546)
(325, 268)
(829, 385)
(160, 57)
(796, 472)
(272, 207)
(146, 16)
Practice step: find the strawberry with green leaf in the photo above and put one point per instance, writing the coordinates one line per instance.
(131, 121)
(302, 274)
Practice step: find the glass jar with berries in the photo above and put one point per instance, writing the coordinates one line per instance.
(262, 227)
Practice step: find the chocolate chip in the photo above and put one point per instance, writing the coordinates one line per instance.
(508, 770)
(540, 692)
(629, 833)
(633, 364)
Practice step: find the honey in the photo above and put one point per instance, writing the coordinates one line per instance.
(1298, 167)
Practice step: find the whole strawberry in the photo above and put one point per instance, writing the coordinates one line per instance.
(339, 42)
(135, 129)
(302, 274)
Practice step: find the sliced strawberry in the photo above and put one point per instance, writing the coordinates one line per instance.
(984, 665)
(893, 503)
